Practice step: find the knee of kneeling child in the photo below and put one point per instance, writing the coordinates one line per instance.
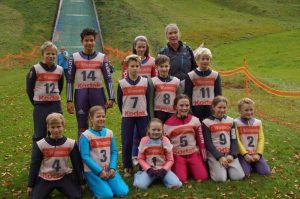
(219, 178)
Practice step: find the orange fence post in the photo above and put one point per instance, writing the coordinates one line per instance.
(246, 79)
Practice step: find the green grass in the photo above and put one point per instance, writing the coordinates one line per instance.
(25, 24)
(266, 33)
(282, 147)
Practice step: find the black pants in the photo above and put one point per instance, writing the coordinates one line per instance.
(68, 185)
(163, 116)
(201, 112)
(40, 113)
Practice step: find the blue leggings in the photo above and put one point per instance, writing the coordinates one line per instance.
(106, 188)
(142, 180)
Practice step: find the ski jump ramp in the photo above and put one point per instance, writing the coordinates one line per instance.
(72, 17)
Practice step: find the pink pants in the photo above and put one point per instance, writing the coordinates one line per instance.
(192, 164)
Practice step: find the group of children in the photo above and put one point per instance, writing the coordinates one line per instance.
(169, 134)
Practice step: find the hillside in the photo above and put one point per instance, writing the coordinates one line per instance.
(25, 24)
(266, 33)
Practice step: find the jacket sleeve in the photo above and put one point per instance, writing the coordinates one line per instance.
(209, 144)
(120, 98)
(113, 154)
(154, 71)
(61, 82)
(233, 142)
(218, 87)
(169, 161)
(30, 84)
(241, 147)
(70, 79)
(151, 98)
(77, 164)
(124, 70)
(193, 62)
(107, 78)
(261, 141)
(188, 87)
(168, 154)
(36, 161)
(148, 99)
(200, 141)
(142, 158)
(86, 156)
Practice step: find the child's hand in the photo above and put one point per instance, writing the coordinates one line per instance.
(29, 191)
(223, 162)
(109, 104)
(229, 158)
(70, 107)
(111, 173)
(103, 174)
(151, 172)
(161, 173)
(248, 158)
(255, 157)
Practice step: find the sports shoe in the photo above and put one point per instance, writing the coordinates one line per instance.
(135, 161)
(127, 172)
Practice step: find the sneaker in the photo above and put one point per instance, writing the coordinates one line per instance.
(135, 161)
(127, 172)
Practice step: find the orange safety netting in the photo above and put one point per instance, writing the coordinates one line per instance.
(22, 58)
(260, 84)
(116, 53)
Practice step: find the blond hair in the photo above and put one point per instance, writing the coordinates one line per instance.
(93, 110)
(132, 57)
(245, 100)
(172, 25)
(201, 51)
(46, 45)
(55, 118)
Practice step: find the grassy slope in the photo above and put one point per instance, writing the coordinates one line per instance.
(25, 23)
(231, 32)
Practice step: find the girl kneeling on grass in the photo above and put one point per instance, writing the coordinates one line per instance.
(221, 143)
(99, 153)
(156, 158)
(184, 131)
(250, 139)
